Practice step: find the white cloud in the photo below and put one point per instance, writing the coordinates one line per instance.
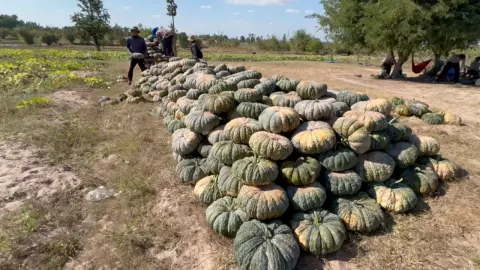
(236, 13)
(206, 7)
(291, 10)
(309, 11)
(251, 11)
(127, 8)
(156, 16)
(258, 2)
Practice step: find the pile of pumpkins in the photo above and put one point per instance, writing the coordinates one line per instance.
(431, 116)
(286, 165)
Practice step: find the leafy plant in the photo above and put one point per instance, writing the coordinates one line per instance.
(36, 101)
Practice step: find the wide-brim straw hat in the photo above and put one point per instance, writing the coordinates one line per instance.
(191, 38)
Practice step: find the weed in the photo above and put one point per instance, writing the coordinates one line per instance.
(29, 219)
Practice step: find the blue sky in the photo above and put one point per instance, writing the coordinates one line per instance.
(230, 17)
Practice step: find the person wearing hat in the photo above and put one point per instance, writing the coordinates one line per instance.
(136, 44)
(195, 48)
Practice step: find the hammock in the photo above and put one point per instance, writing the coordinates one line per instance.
(420, 66)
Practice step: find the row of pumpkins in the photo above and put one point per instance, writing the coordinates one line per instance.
(431, 116)
(285, 165)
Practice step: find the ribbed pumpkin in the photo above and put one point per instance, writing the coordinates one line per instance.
(318, 231)
(359, 213)
(393, 195)
(179, 158)
(418, 109)
(421, 179)
(185, 104)
(402, 110)
(427, 146)
(342, 183)
(359, 106)
(193, 94)
(375, 166)
(175, 95)
(353, 134)
(302, 171)
(397, 101)
(206, 81)
(286, 100)
(206, 190)
(204, 149)
(213, 165)
(225, 217)
(270, 145)
(185, 142)
(398, 132)
(405, 154)
(174, 125)
(279, 119)
(313, 137)
(248, 95)
(228, 183)
(262, 203)
(383, 106)
(372, 121)
(287, 85)
(313, 110)
(191, 170)
(240, 130)
(379, 140)
(339, 108)
(279, 77)
(200, 122)
(222, 87)
(266, 87)
(350, 97)
(218, 104)
(228, 152)
(269, 246)
(432, 119)
(217, 135)
(250, 83)
(250, 110)
(255, 171)
(338, 159)
(311, 90)
(445, 169)
(306, 198)
(452, 119)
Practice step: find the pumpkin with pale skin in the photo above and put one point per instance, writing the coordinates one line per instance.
(393, 195)
(240, 130)
(270, 145)
(427, 146)
(311, 90)
(313, 137)
(185, 142)
(200, 122)
(255, 171)
(206, 190)
(353, 134)
(265, 202)
(313, 110)
(279, 119)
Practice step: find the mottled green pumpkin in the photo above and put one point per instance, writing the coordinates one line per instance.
(397, 101)
(268, 246)
(264, 202)
(398, 132)
(248, 83)
(267, 101)
(313, 137)
(353, 134)
(421, 179)
(228, 152)
(311, 90)
(204, 149)
(286, 100)
(342, 183)
(375, 166)
(213, 165)
(418, 109)
(206, 81)
(219, 103)
(379, 140)
(175, 95)
(287, 85)
(302, 171)
(270, 145)
(393, 195)
(313, 110)
(239, 130)
(206, 189)
(228, 183)
(185, 142)
(279, 119)
(306, 198)
(318, 231)
(248, 95)
(279, 77)
(222, 87)
(193, 94)
(350, 97)
(250, 109)
(225, 216)
(186, 105)
(255, 171)
(427, 146)
(191, 170)
(359, 213)
(339, 108)
(445, 169)
(217, 135)
(405, 154)
(236, 69)
(402, 110)
(200, 121)
(266, 87)
(175, 125)
(338, 159)
(432, 119)
(372, 121)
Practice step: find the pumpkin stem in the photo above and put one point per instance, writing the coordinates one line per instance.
(316, 218)
(344, 141)
(394, 120)
(399, 181)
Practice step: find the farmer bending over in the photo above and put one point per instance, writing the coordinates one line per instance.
(136, 44)
(453, 62)
(195, 48)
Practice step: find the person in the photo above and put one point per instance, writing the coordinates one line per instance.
(195, 48)
(454, 62)
(167, 43)
(473, 70)
(387, 63)
(136, 44)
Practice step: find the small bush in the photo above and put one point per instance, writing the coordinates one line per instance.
(26, 36)
(49, 39)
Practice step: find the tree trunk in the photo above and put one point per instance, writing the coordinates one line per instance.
(96, 43)
(397, 70)
(174, 40)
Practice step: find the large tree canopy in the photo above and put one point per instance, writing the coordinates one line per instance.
(92, 20)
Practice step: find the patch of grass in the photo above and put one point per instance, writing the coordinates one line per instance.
(29, 219)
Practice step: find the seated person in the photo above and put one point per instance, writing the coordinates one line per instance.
(473, 71)
(455, 62)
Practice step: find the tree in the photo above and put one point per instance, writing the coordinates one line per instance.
(183, 40)
(314, 45)
(92, 20)
(300, 40)
(5, 32)
(172, 12)
(48, 38)
(242, 39)
(26, 36)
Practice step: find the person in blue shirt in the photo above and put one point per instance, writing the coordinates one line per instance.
(136, 44)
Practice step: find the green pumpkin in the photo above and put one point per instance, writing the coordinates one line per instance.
(353, 134)
(174, 88)
(248, 95)
(228, 152)
(313, 137)
(318, 231)
(350, 97)
(220, 67)
(405, 154)
(270, 145)
(236, 69)
(205, 81)
(219, 103)
(266, 87)
(200, 121)
(427, 146)
(239, 130)
(379, 140)
(398, 132)
(222, 87)
(174, 96)
(397, 101)
(225, 217)
(393, 195)
(265, 202)
(193, 94)
(206, 189)
(186, 105)
(313, 110)
(342, 183)
(287, 85)
(302, 171)
(222, 74)
(279, 77)
(255, 171)
(375, 166)
(175, 125)
(204, 149)
(267, 101)
(432, 119)
(248, 83)
(339, 108)
(306, 198)
(213, 165)
(421, 179)
(178, 158)
(418, 109)
(359, 213)
(402, 110)
(217, 135)
(286, 100)
(228, 183)
(311, 90)
(250, 110)
(372, 121)
(279, 119)
(185, 142)
(338, 159)
(269, 246)
(191, 170)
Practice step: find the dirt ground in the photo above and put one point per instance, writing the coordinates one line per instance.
(157, 224)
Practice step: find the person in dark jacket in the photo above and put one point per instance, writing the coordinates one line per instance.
(136, 44)
(167, 43)
(195, 48)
